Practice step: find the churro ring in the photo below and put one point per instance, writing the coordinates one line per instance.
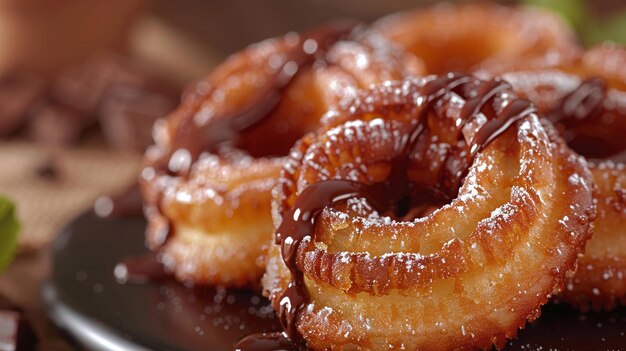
(207, 180)
(587, 103)
(430, 214)
(469, 37)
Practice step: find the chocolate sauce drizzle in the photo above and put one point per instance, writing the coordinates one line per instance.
(585, 104)
(299, 222)
(191, 139)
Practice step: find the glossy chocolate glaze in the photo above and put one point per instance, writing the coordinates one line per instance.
(584, 103)
(194, 139)
(191, 139)
(298, 225)
(587, 104)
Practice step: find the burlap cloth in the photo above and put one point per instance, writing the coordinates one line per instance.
(45, 203)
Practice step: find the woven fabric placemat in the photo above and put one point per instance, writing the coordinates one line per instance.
(51, 186)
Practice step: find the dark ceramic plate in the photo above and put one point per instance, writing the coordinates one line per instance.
(84, 298)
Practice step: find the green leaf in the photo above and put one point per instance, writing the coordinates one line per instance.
(615, 28)
(592, 30)
(573, 11)
(9, 229)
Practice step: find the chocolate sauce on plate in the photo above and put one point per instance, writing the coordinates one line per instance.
(141, 270)
(128, 203)
(268, 342)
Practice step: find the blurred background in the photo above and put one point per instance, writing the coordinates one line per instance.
(82, 81)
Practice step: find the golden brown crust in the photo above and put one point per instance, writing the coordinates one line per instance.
(219, 218)
(215, 202)
(606, 60)
(464, 276)
(472, 36)
(599, 282)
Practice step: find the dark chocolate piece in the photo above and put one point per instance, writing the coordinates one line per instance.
(82, 87)
(62, 111)
(48, 169)
(18, 92)
(127, 114)
(16, 333)
(58, 124)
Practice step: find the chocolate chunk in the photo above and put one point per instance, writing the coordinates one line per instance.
(73, 100)
(128, 113)
(58, 124)
(48, 169)
(83, 86)
(124, 99)
(16, 333)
